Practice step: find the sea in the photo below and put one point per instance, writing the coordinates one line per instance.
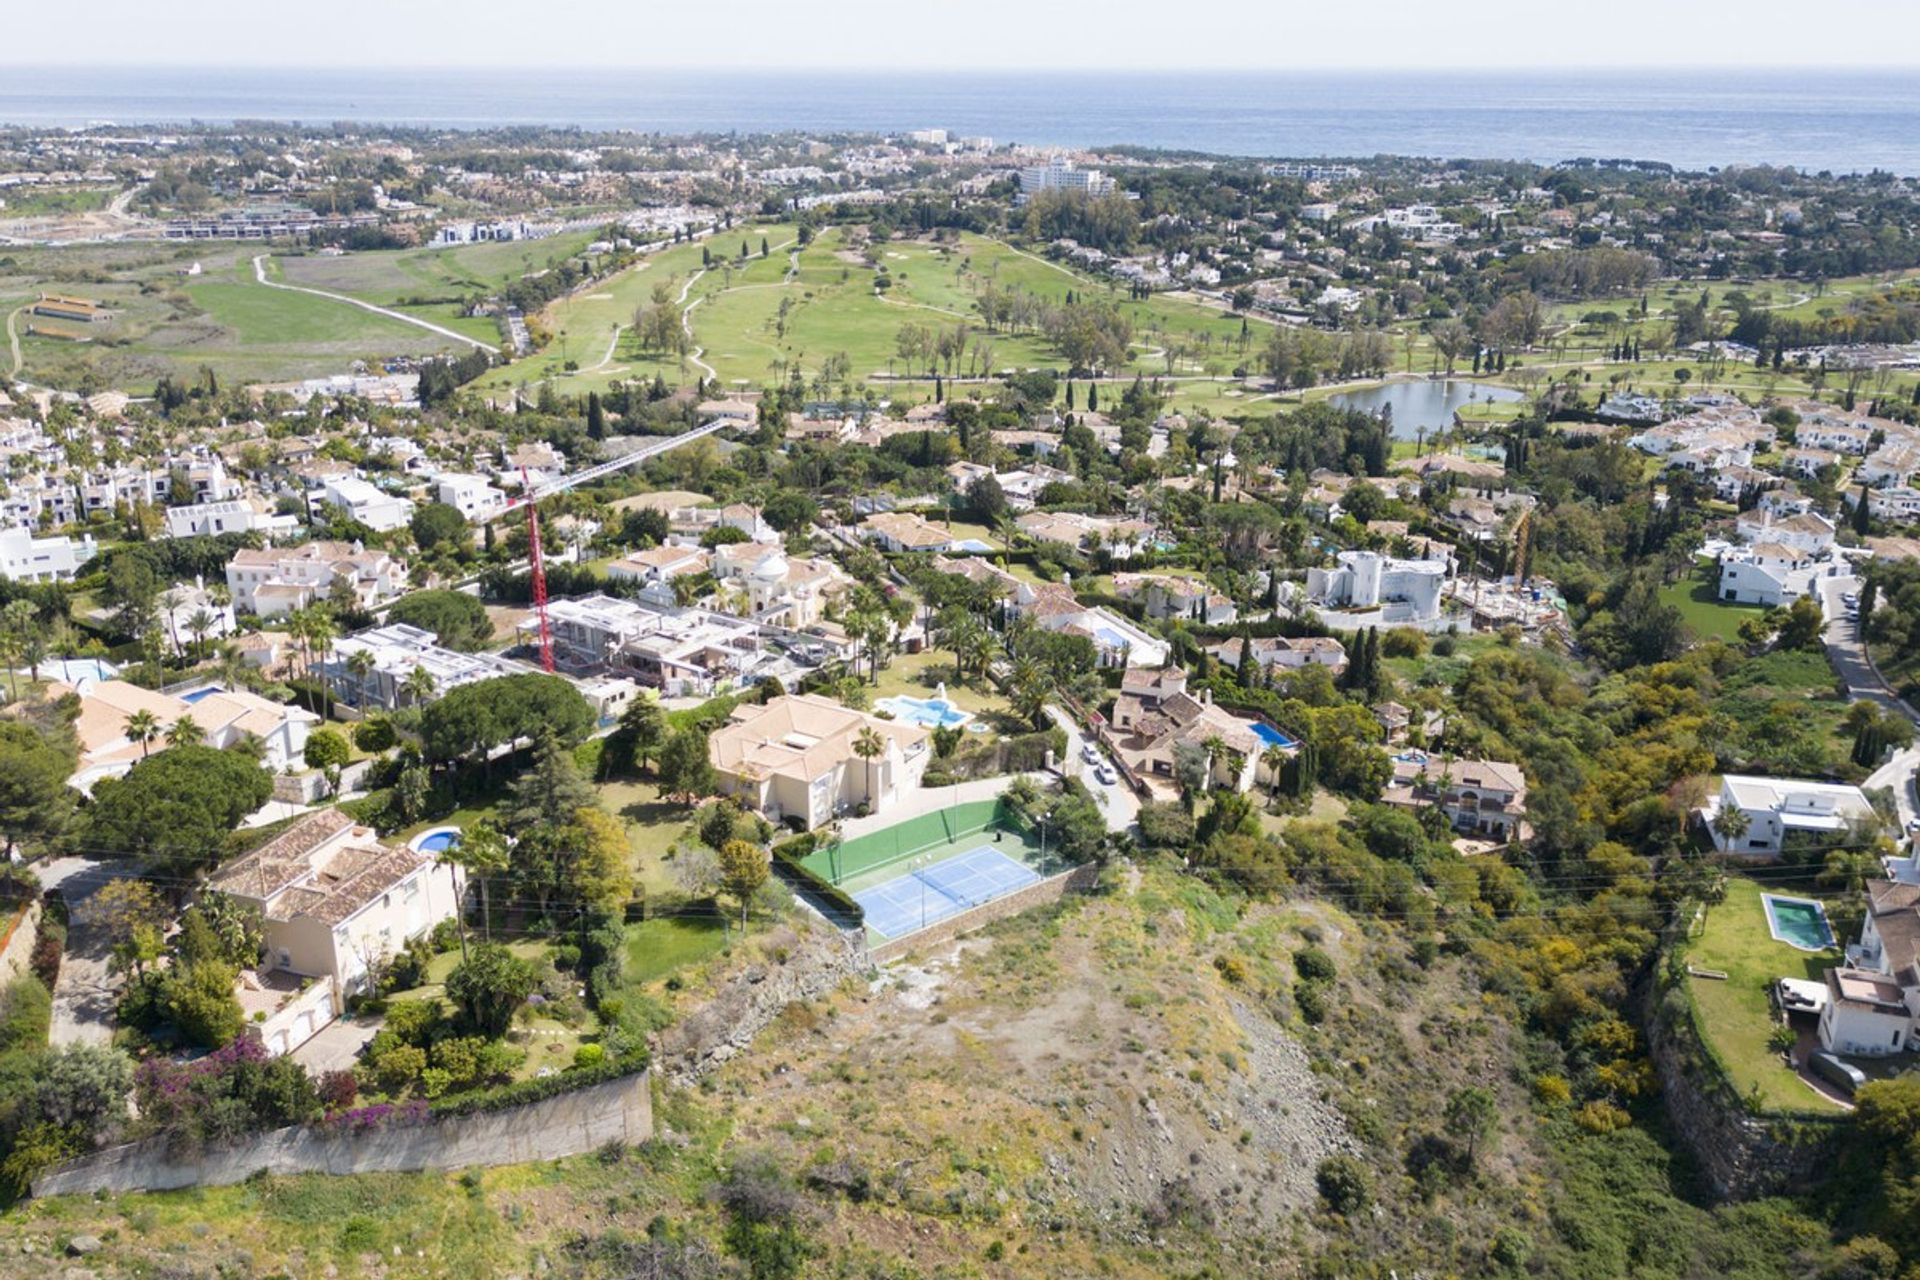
(1839, 121)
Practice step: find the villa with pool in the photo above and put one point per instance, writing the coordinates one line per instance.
(1154, 716)
(799, 759)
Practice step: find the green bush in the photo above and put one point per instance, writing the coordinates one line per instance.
(1314, 964)
(1344, 1184)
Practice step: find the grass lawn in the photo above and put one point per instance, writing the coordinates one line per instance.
(1735, 1014)
(653, 826)
(1709, 618)
(658, 949)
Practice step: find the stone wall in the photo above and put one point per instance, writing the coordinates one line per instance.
(584, 1120)
(1743, 1155)
(20, 931)
(1081, 879)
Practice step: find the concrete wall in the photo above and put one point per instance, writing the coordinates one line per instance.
(1081, 879)
(17, 954)
(614, 1111)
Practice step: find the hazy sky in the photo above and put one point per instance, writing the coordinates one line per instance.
(967, 34)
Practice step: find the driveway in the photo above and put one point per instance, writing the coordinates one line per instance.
(1850, 662)
(337, 1045)
(1115, 799)
(86, 992)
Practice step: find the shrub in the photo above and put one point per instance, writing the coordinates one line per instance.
(1311, 998)
(26, 1014)
(338, 1090)
(1314, 964)
(1231, 968)
(1344, 1184)
(1601, 1117)
(588, 1055)
(1403, 642)
(1552, 1090)
(1165, 826)
(375, 734)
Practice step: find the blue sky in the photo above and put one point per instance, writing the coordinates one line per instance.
(969, 34)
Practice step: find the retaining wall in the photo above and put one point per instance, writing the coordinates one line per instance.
(18, 932)
(1081, 879)
(1743, 1155)
(572, 1123)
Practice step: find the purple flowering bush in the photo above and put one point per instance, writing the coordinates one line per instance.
(235, 1090)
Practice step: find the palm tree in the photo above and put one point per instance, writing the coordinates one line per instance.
(10, 652)
(321, 633)
(1275, 758)
(360, 663)
(199, 625)
(143, 727)
(1731, 823)
(185, 733)
(870, 746)
(1027, 689)
(418, 686)
(170, 601)
(482, 850)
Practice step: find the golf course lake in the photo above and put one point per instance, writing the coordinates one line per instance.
(1423, 405)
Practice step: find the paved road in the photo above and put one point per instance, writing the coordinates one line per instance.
(260, 274)
(1849, 659)
(1116, 800)
(86, 992)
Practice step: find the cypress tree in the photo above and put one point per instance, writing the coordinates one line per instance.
(1862, 517)
(1069, 396)
(596, 417)
(939, 392)
(1093, 397)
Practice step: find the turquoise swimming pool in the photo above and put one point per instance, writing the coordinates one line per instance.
(1798, 922)
(930, 713)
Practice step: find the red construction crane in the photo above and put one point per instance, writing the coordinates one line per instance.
(539, 573)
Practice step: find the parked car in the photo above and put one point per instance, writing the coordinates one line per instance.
(1106, 775)
(1837, 1071)
(1089, 753)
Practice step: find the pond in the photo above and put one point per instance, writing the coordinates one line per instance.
(1424, 404)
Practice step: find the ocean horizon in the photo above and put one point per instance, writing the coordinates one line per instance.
(1817, 119)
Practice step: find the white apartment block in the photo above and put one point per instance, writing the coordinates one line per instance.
(1060, 174)
(396, 651)
(233, 515)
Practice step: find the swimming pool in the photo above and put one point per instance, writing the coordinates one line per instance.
(1799, 922)
(973, 544)
(1270, 735)
(438, 840)
(929, 713)
(199, 694)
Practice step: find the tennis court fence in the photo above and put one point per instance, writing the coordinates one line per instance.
(836, 863)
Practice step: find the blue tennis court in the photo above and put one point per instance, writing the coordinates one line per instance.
(927, 895)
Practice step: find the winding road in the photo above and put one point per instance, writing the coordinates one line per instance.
(1864, 683)
(260, 274)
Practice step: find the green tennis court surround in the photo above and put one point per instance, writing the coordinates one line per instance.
(855, 857)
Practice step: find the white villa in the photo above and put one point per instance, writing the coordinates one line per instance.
(25, 558)
(225, 717)
(1775, 807)
(1402, 590)
(334, 902)
(395, 652)
(796, 757)
(375, 508)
